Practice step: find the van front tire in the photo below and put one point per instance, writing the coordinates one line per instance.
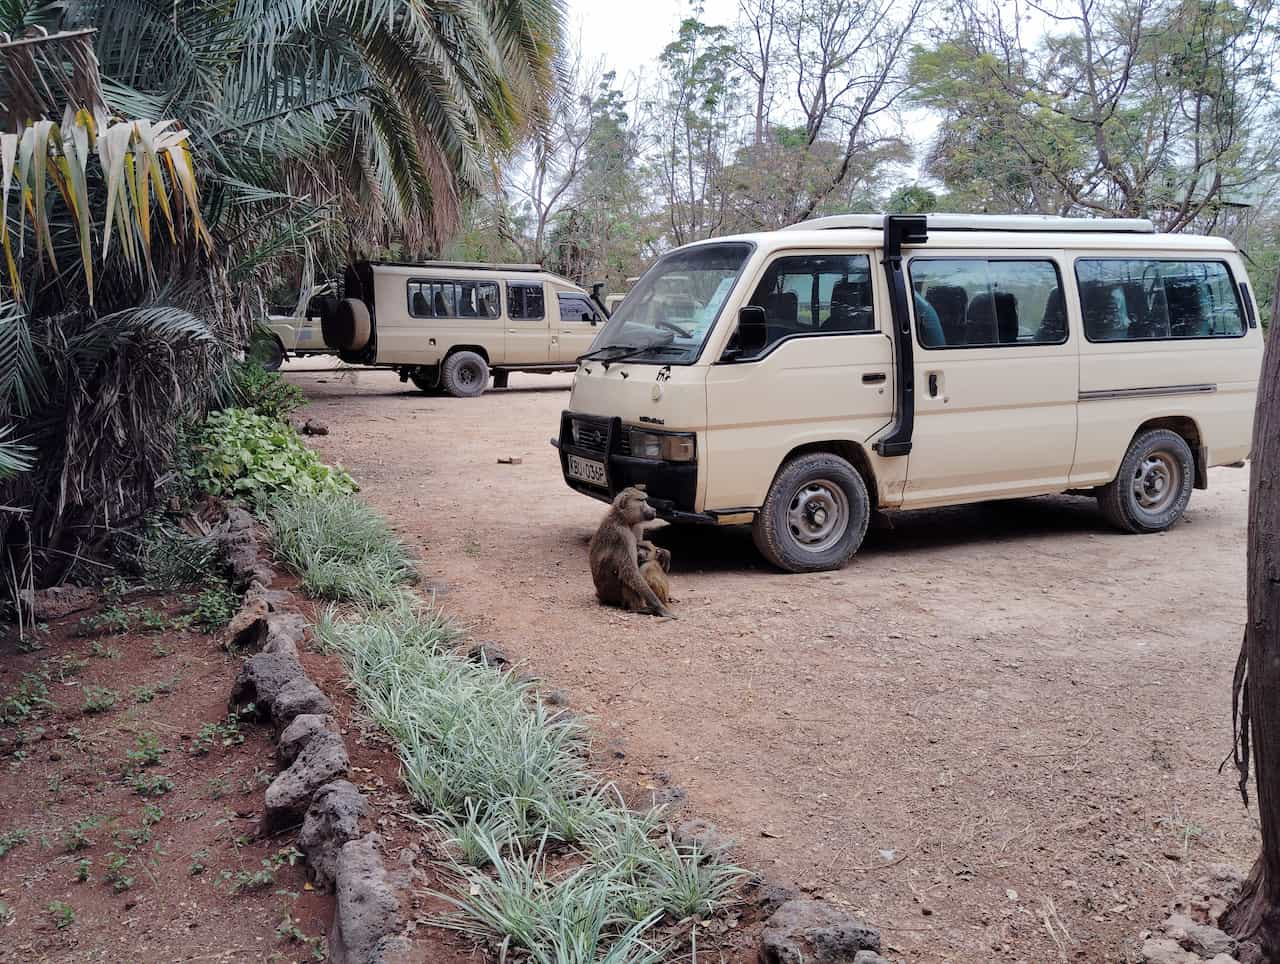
(465, 375)
(1153, 486)
(815, 515)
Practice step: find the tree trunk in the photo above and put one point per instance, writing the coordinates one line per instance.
(1255, 915)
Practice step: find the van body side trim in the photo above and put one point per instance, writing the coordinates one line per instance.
(1153, 392)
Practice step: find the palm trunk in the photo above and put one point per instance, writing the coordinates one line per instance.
(1255, 915)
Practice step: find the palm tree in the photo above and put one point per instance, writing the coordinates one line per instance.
(137, 250)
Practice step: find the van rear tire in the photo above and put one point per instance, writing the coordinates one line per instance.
(815, 515)
(465, 375)
(1153, 485)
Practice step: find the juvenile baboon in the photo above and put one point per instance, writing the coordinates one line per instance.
(655, 563)
(614, 555)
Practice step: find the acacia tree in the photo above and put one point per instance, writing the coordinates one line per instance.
(1159, 108)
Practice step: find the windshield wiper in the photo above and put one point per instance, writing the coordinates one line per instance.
(625, 351)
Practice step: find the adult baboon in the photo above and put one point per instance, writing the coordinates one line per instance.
(614, 555)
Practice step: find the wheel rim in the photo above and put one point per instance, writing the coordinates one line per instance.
(1157, 482)
(469, 375)
(818, 515)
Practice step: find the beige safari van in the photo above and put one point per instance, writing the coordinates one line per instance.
(449, 325)
(801, 379)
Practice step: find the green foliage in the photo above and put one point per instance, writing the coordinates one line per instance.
(264, 392)
(170, 557)
(63, 914)
(245, 455)
(226, 733)
(77, 836)
(29, 698)
(505, 776)
(215, 606)
(146, 752)
(151, 784)
(99, 699)
(116, 876)
(11, 839)
(84, 866)
(340, 548)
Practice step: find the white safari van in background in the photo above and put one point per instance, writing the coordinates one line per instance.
(448, 325)
(800, 379)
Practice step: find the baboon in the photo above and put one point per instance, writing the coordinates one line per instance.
(614, 555)
(655, 563)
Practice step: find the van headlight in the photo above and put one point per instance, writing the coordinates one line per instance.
(667, 446)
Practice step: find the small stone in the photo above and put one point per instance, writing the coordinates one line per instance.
(615, 749)
(1204, 940)
(323, 760)
(313, 426)
(804, 931)
(1166, 951)
(771, 896)
(366, 915)
(488, 654)
(58, 601)
(556, 698)
(868, 957)
(299, 733)
(510, 460)
(703, 835)
(332, 820)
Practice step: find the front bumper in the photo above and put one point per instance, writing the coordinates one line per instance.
(672, 486)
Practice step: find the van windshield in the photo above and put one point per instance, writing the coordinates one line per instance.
(670, 312)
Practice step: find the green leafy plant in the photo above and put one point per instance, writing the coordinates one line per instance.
(340, 548)
(225, 733)
(83, 868)
(11, 839)
(112, 620)
(146, 752)
(77, 836)
(198, 865)
(7, 916)
(243, 454)
(99, 699)
(28, 698)
(266, 393)
(63, 914)
(215, 607)
(151, 784)
(115, 874)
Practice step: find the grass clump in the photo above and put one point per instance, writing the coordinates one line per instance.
(241, 454)
(340, 548)
(29, 698)
(12, 838)
(507, 782)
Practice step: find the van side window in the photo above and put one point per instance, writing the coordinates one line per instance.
(453, 299)
(1133, 299)
(819, 294)
(525, 301)
(576, 309)
(983, 303)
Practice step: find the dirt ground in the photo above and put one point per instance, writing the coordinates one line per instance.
(996, 733)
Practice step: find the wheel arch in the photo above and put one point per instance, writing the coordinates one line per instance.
(1189, 430)
(478, 349)
(850, 451)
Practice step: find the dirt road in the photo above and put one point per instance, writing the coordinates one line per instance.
(996, 733)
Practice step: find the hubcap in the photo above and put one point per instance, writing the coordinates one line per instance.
(818, 515)
(468, 375)
(1156, 482)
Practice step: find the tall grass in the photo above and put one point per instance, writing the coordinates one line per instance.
(340, 548)
(504, 779)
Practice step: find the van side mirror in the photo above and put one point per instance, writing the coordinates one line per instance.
(753, 331)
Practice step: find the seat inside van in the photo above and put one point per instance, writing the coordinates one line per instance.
(850, 307)
(991, 318)
(950, 302)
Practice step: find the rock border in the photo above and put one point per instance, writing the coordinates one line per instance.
(311, 791)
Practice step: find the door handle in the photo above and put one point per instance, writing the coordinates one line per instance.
(873, 378)
(933, 384)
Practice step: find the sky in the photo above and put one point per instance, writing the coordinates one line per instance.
(630, 34)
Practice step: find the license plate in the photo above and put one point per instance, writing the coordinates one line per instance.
(585, 470)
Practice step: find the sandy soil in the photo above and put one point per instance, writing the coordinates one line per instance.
(996, 733)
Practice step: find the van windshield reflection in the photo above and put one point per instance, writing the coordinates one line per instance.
(671, 311)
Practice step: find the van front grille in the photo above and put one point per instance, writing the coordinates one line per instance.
(591, 435)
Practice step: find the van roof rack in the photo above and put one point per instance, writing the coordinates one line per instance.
(456, 265)
(1026, 223)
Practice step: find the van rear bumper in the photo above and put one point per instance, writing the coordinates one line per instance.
(672, 486)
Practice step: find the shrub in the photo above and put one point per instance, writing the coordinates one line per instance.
(340, 548)
(243, 454)
(265, 392)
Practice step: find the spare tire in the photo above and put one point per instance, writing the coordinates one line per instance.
(348, 326)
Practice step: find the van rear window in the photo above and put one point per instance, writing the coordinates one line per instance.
(1140, 299)
(987, 302)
